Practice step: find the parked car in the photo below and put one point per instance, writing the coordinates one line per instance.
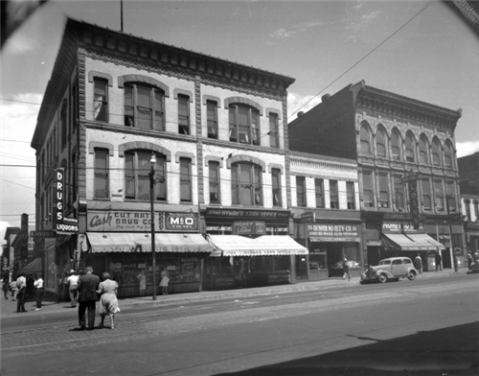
(390, 269)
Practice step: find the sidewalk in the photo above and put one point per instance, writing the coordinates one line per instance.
(8, 307)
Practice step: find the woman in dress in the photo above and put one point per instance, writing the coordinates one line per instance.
(142, 278)
(165, 279)
(108, 300)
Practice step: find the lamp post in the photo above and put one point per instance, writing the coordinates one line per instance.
(450, 233)
(152, 204)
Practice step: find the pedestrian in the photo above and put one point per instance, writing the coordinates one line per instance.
(438, 261)
(59, 287)
(164, 282)
(470, 260)
(5, 287)
(72, 286)
(38, 285)
(22, 289)
(14, 289)
(88, 296)
(30, 292)
(108, 290)
(418, 263)
(142, 278)
(346, 269)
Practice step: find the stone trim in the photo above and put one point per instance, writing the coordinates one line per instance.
(183, 154)
(270, 110)
(207, 97)
(210, 158)
(243, 100)
(188, 93)
(245, 158)
(92, 74)
(277, 166)
(143, 79)
(143, 145)
(101, 145)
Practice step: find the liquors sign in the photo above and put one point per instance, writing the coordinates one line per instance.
(61, 224)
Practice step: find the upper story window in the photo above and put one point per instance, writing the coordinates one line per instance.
(244, 124)
(423, 150)
(214, 182)
(368, 191)
(365, 139)
(183, 114)
(399, 192)
(185, 180)
(333, 194)
(144, 107)
(410, 146)
(273, 130)
(450, 196)
(101, 186)
(467, 205)
(436, 153)
(448, 155)
(276, 183)
(381, 143)
(395, 145)
(246, 185)
(383, 190)
(319, 191)
(301, 190)
(476, 209)
(426, 193)
(350, 195)
(438, 195)
(100, 100)
(63, 123)
(212, 118)
(137, 175)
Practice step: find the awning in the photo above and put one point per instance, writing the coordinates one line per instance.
(266, 245)
(141, 242)
(33, 267)
(411, 242)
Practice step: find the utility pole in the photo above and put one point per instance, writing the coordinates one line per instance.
(121, 15)
(152, 203)
(453, 256)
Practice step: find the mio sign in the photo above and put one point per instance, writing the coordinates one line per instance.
(181, 221)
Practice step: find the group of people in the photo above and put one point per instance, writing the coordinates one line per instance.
(472, 258)
(20, 289)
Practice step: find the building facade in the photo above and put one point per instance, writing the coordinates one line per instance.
(408, 175)
(214, 134)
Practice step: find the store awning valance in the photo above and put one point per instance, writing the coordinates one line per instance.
(267, 245)
(410, 242)
(33, 267)
(141, 242)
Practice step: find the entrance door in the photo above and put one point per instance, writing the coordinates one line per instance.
(446, 258)
(301, 267)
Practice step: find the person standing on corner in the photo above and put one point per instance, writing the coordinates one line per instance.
(73, 283)
(38, 285)
(438, 261)
(87, 287)
(418, 263)
(346, 270)
(22, 290)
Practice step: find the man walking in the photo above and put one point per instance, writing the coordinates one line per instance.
(38, 285)
(22, 290)
(438, 261)
(73, 283)
(346, 270)
(418, 263)
(87, 287)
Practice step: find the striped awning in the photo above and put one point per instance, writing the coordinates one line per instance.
(411, 242)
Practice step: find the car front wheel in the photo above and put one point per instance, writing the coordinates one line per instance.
(411, 276)
(382, 278)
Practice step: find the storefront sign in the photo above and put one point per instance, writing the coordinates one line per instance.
(308, 217)
(247, 214)
(24, 237)
(414, 204)
(249, 228)
(391, 227)
(43, 234)
(333, 233)
(181, 221)
(61, 224)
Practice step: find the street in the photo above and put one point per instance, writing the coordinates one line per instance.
(425, 327)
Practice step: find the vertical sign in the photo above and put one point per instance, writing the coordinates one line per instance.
(414, 204)
(24, 237)
(58, 197)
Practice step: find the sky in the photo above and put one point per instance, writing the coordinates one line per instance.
(422, 50)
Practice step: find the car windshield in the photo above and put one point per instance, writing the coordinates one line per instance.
(385, 262)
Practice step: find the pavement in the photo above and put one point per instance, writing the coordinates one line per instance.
(49, 307)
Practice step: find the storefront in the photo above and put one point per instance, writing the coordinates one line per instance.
(472, 236)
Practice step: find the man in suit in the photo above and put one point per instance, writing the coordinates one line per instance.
(87, 287)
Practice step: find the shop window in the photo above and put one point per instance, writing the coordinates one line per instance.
(214, 182)
(212, 119)
(244, 124)
(144, 107)
(137, 178)
(183, 114)
(368, 191)
(185, 180)
(438, 195)
(276, 183)
(448, 155)
(273, 130)
(333, 194)
(410, 146)
(350, 195)
(423, 150)
(381, 149)
(399, 192)
(319, 190)
(436, 153)
(426, 194)
(100, 99)
(383, 190)
(395, 145)
(450, 196)
(365, 139)
(246, 185)
(301, 190)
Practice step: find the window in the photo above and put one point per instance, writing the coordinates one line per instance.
(426, 194)
(101, 182)
(74, 187)
(467, 205)
(100, 103)
(319, 190)
(246, 184)
(448, 159)
(476, 209)
(397, 262)
(212, 119)
(74, 107)
(410, 155)
(183, 114)
(368, 189)
(214, 182)
(185, 180)
(423, 150)
(301, 190)
(63, 123)
(395, 145)
(383, 190)
(350, 195)
(137, 178)
(244, 124)
(450, 196)
(333, 194)
(436, 153)
(273, 130)
(381, 150)
(438, 195)
(365, 139)
(398, 192)
(144, 107)
(276, 183)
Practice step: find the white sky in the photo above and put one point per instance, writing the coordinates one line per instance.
(434, 58)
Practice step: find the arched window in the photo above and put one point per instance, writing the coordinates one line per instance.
(244, 124)
(365, 138)
(381, 143)
(410, 146)
(137, 178)
(448, 155)
(395, 145)
(246, 185)
(423, 150)
(436, 153)
(144, 106)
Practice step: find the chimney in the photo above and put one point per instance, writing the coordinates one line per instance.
(300, 113)
(325, 97)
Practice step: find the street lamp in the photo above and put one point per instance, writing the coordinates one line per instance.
(152, 204)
